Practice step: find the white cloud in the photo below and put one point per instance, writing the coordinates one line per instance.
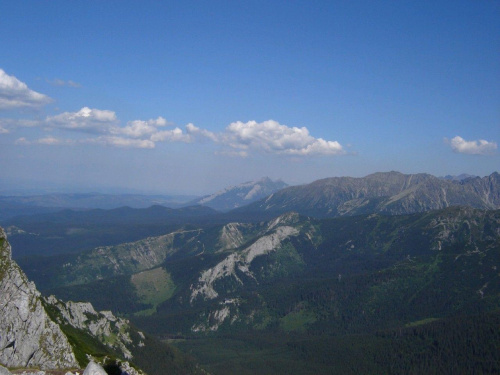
(140, 128)
(16, 94)
(237, 139)
(22, 141)
(86, 120)
(8, 123)
(3, 130)
(273, 137)
(60, 82)
(195, 131)
(121, 142)
(480, 147)
(232, 153)
(175, 135)
(49, 141)
(101, 140)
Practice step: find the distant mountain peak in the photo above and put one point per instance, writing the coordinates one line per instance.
(240, 195)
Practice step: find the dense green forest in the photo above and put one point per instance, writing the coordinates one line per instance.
(458, 345)
(415, 293)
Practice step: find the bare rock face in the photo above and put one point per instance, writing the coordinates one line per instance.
(4, 371)
(28, 338)
(103, 325)
(94, 369)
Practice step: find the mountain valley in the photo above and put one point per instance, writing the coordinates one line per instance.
(411, 267)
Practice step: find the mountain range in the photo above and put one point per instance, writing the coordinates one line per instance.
(389, 273)
(12, 206)
(390, 193)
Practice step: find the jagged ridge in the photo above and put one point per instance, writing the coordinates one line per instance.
(389, 193)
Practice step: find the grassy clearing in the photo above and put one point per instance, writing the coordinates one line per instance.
(297, 321)
(153, 287)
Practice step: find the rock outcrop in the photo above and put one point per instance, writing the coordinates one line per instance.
(112, 331)
(239, 262)
(32, 328)
(94, 369)
(28, 337)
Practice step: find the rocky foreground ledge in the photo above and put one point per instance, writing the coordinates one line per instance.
(32, 336)
(92, 368)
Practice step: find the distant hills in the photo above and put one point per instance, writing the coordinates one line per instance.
(96, 200)
(240, 195)
(390, 193)
(11, 206)
(69, 231)
(223, 200)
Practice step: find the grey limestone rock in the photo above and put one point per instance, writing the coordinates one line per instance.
(112, 331)
(28, 337)
(94, 369)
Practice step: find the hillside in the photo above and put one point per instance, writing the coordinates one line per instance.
(70, 231)
(390, 193)
(47, 333)
(295, 283)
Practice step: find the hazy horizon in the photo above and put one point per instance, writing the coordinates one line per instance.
(27, 190)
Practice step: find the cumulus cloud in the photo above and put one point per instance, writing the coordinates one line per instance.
(237, 139)
(272, 137)
(174, 135)
(195, 131)
(480, 147)
(140, 128)
(85, 120)
(104, 125)
(16, 94)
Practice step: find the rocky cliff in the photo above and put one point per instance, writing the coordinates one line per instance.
(46, 333)
(28, 337)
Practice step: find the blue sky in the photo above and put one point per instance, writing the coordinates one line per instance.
(192, 96)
